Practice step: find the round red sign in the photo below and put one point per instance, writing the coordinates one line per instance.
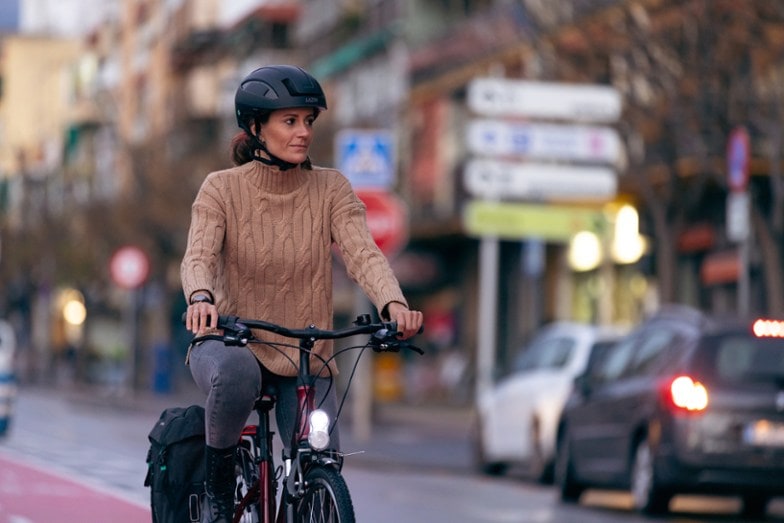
(129, 267)
(386, 217)
(738, 156)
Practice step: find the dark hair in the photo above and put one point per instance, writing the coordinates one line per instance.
(243, 145)
(242, 148)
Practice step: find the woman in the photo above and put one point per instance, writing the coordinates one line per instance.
(260, 246)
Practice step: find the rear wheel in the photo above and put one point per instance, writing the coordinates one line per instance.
(569, 488)
(649, 497)
(326, 498)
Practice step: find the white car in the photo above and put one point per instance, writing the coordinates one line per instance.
(517, 418)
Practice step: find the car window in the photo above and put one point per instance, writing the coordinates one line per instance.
(654, 343)
(551, 353)
(742, 357)
(616, 360)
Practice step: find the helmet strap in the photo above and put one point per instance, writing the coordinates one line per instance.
(271, 159)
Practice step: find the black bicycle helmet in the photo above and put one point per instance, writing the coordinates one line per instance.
(276, 87)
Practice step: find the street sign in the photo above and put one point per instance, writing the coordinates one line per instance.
(738, 153)
(129, 267)
(556, 223)
(366, 158)
(386, 219)
(547, 100)
(738, 216)
(581, 143)
(497, 179)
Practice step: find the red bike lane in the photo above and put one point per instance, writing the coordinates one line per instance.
(29, 494)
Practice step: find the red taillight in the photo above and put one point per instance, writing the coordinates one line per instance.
(688, 394)
(764, 328)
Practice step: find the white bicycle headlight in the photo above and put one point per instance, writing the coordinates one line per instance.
(318, 435)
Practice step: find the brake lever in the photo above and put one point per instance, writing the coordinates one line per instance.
(414, 348)
(238, 336)
(385, 340)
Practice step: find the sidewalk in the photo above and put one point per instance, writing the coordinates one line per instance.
(432, 437)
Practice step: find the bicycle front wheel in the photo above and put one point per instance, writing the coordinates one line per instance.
(326, 498)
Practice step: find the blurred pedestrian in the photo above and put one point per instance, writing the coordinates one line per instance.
(260, 246)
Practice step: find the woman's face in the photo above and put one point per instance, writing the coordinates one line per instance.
(288, 133)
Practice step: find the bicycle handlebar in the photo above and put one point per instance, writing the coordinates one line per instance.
(237, 331)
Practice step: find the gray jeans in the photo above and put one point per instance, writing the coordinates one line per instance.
(231, 378)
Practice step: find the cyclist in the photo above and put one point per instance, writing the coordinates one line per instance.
(260, 246)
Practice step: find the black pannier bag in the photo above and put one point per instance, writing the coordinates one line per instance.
(176, 465)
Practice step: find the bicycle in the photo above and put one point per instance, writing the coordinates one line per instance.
(313, 489)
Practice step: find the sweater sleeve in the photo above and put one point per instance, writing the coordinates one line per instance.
(200, 264)
(365, 263)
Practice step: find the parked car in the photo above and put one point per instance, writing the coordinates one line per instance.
(516, 420)
(685, 403)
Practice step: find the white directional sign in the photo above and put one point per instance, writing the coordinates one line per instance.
(738, 216)
(366, 158)
(580, 143)
(546, 100)
(503, 180)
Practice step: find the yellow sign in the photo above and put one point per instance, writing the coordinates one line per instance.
(556, 223)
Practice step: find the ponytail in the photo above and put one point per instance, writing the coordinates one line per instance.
(242, 148)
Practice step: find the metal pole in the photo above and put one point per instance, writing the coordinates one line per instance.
(743, 276)
(488, 304)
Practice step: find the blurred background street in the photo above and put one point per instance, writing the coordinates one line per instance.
(524, 163)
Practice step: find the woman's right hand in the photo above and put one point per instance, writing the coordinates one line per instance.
(201, 317)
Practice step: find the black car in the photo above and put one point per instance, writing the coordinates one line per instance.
(685, 403)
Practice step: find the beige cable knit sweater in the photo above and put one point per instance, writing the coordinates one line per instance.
(260, 242)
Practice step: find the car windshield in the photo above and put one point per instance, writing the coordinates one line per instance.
(742, 357)
(551, 353)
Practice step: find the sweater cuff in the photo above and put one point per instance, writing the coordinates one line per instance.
(383, 312)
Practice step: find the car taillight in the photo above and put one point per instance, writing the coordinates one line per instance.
(764, 328)
(687, 394)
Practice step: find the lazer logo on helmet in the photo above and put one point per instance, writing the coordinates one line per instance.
(311, 100)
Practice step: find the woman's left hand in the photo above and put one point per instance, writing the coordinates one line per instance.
(408, 322)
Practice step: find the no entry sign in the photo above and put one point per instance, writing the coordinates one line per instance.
(387, 220)
(129, 267)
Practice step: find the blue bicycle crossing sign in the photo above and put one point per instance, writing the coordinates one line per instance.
(366, 158)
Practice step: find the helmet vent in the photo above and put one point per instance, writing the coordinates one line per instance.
(303, 89)
(262, 89)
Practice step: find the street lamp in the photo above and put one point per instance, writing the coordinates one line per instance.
(585, 251)
(627, 245)
(73, 313)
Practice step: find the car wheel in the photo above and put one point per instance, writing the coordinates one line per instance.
(481, 463)
(569, 489)
(649, 498)
(754, 506)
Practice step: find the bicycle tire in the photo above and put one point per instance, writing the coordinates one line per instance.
(247, 478)
(326, 498)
